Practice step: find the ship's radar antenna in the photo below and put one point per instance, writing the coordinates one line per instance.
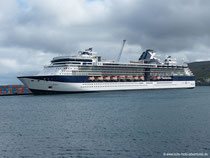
(121, 50)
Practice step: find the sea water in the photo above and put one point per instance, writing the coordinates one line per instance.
(147, 123)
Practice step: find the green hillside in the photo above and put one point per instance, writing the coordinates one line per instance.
(201, 70)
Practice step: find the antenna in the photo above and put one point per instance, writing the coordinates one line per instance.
(121, 50)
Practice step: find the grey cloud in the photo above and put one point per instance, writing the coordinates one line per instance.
(166, 25)
(163, 25)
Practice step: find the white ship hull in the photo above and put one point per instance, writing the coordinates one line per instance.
(65, 87)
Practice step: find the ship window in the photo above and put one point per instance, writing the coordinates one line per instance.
(75, 63)
(64, 60)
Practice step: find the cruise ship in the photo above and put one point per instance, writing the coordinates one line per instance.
(87, 72)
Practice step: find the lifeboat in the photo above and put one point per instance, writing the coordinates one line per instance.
(91, 78)
(166, 78)
(121, 78)
(136, 78)
(153, 77)
(99, 78)
(130, 77)
(141, 78)
(107, 78)
(158, 77)
(163, 77)
(114, 78)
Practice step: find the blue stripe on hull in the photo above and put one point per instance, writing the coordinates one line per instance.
(73, 79)
(183, 78)
(82, 79)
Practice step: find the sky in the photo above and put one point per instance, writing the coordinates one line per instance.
(32, 32)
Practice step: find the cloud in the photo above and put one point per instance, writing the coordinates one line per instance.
(8, 63)
(165, 25)
(18, 61)
(33, 31)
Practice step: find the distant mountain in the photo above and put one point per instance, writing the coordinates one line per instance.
(201, 70)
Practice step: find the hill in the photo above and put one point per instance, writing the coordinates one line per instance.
(201, 70)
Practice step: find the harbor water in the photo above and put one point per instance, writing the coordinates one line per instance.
(129, 124)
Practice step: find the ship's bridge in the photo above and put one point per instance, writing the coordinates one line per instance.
(84, 57)
(67, 59)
